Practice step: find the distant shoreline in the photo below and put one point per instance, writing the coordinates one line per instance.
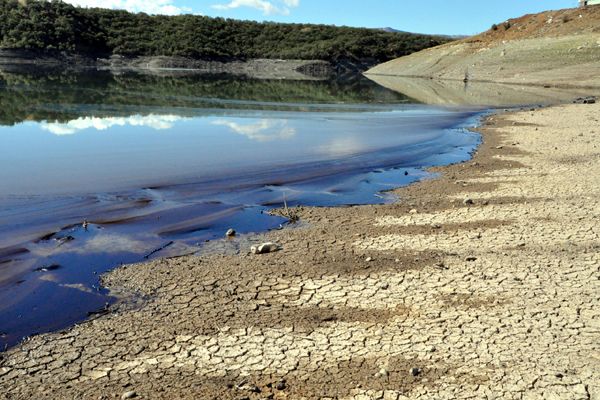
(261, 68)
(528, 84)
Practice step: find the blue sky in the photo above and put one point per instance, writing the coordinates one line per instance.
(433, 16)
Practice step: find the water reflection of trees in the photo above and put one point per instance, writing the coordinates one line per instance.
(55, 95)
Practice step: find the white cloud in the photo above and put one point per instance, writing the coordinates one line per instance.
(165, 7)
(267, 7)
(265, 130)
(158, 122)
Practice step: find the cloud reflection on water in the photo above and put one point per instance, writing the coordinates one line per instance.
(157, 122)
(342, 146)
(264, 130)
(112, 243)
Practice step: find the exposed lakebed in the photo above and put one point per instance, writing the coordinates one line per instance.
(157, 166)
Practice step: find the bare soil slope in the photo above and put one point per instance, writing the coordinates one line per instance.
(556, 48)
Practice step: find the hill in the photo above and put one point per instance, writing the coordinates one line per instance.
(59, 27)
(555, 48)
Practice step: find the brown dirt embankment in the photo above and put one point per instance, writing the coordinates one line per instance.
(556, 48)
(480, 284)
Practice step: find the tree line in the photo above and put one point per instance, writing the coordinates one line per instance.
(57, 26)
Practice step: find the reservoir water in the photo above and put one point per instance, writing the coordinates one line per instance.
(100, 169)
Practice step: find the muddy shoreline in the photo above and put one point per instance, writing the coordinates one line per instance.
(60, 259)
(477, 282)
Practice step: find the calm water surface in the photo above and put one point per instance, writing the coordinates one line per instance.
(160, 165)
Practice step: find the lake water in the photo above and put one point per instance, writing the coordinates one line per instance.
(158, 165)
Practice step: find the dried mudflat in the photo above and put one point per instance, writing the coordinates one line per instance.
(433, 297)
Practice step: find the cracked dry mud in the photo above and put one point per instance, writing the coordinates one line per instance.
(494, 300)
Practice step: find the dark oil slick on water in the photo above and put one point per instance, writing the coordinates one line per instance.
(158, 165)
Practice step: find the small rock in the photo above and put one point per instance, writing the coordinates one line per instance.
(368, 259)
(280, 385)
(471, 259)
(383, 372)
(129, 395)
(413, 211)
(499, 147)
(251, 388)
(48, 268)
(585, 100)
(230, 233)
(265, 248)
(415, 371)
(468, 202)
(64, 240)
(436, 226)
(440, 265)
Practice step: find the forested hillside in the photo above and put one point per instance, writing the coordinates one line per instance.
(56, 26)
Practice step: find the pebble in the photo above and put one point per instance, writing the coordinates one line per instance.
(129, 395)
(368, 259)
(468, 202)
(251, 388)
(415, 371)
(265, 248)
(230, 233)
(383, 373)
(441, 265)
(280, 385)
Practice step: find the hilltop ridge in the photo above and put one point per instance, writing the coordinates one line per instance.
(54, 28)
(554, 48)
